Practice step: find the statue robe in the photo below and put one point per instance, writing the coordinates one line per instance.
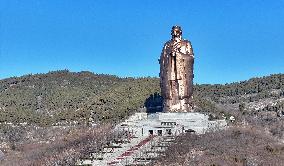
(176, 71)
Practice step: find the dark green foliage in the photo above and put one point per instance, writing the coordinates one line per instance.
(244, 91)
(64, 96)
(122, 99)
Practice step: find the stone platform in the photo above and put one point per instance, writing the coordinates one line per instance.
(151, 134)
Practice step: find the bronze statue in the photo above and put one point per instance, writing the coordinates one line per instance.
(176, 73)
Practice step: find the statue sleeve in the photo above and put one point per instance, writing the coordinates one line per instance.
(162, 68)
(162, 61)
(190, 49)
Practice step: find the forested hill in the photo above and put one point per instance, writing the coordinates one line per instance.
(246, 91)
(63, 96)
(68, 96)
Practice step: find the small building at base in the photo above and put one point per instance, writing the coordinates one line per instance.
(162, 124)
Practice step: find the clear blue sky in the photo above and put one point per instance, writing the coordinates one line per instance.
(232, 40)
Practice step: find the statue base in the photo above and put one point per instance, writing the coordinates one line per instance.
(184, 105)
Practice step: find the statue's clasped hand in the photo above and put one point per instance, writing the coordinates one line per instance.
(176, 47)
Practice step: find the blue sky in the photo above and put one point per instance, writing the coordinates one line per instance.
(232, 40)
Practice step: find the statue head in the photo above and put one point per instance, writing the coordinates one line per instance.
(176, 31)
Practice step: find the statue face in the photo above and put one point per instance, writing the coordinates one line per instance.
(176, 32)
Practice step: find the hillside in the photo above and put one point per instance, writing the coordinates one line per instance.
(49, 114)
(63, 96)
